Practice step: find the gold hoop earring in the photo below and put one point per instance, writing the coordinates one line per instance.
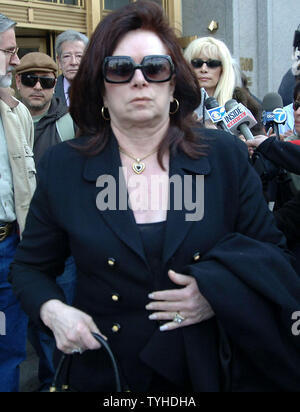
(103, 114)
(177, 106)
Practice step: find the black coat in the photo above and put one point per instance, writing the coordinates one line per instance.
(45, 131)
(235, 252)
(287, 156)
(60, 91)
(286, 88)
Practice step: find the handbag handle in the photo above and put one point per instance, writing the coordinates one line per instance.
(65, 357)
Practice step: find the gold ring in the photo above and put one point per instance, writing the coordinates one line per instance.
(178, 318)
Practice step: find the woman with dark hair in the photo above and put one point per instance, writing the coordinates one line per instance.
(163, 220)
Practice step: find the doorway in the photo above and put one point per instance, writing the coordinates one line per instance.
(32, 41)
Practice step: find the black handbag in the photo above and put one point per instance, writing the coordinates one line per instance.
(65, 364)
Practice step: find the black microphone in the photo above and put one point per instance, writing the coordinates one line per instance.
(273, 113)
(296, 43)
(215, 112)
(239, 119)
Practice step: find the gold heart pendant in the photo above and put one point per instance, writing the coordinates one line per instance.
(138, 168)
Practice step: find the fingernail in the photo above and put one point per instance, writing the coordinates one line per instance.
(149, 307)
(153, 316)
(151, 296)
(163, 328)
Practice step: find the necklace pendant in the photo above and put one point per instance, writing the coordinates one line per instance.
(138, 167)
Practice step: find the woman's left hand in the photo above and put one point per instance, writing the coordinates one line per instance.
(179, 307)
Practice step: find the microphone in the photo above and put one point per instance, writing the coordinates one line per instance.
(200, 111)
(239, 119)
(215, 112)
(273, 113)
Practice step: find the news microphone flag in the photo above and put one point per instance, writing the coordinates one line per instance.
(239, 119)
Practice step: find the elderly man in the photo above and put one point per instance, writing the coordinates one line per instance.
(35, 81)
(17, 184)
(70, 46)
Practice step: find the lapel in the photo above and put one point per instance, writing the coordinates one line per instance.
(121, 219)
(6, 96)
(59, 89)
(186, 170)
(107, 167)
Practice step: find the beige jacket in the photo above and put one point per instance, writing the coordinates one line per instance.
(19, 134)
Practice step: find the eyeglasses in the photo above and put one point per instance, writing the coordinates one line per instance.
(121, 69)
(30, 80)
(11, 52)
(67, 57)
(212, 64)
(296, 105)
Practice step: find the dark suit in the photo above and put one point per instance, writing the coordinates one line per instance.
(59, 90)
(286, 88)
(235, 252)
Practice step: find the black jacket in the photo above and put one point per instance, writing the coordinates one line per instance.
(235, 252)
(59, 90)
(45, 131)
(286, 88)
(286, 155)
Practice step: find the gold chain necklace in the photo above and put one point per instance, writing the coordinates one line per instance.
(138, 166)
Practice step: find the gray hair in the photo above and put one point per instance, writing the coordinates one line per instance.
(6, 23)
(69, 35)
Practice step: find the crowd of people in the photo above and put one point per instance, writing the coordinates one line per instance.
(199, 297)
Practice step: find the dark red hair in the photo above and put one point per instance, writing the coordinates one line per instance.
(88, 86)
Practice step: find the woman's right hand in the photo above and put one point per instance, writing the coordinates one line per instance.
(71, 327)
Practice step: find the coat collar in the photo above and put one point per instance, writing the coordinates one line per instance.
(108, 162)
(122, 222)
(7, 98)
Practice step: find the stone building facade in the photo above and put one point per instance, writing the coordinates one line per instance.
(259, 33)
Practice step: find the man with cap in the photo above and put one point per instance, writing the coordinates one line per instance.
(35, 81)
(17, 185)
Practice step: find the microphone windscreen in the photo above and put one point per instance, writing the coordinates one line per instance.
(297, 39)
(211, 103)
(230, 105)
(271, 102)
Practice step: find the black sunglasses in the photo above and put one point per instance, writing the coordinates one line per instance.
(121, 69)
(30, 80)
(212, 64)
(296, 105)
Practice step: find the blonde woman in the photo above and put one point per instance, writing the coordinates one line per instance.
(213, 65)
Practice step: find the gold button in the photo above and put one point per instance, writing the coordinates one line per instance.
(197, 257)
(111, 262)
(116, 328)
(115, 297)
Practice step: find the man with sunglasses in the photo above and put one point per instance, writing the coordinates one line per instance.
(17, 184)
(36, 80)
